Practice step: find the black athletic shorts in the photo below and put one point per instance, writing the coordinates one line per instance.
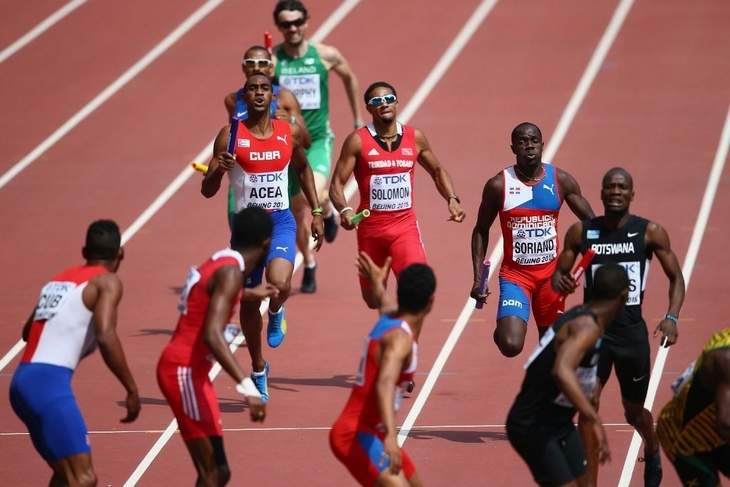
(627, 349)
(701, 469)
(553, 459)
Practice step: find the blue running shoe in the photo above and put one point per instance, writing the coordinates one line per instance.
(276, 329)
(261, 381)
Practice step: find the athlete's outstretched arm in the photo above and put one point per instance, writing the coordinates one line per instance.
(721, 373)
(377, 277)
(440, 176)
(334, 58)
(394, 349)
(219, 164)
(570, 189)
(306, 181)
(582, 334)
(290, 110)
(562, 279)
(105, 292)
(343, 170)
(657, 239)
(488, 211)
(224, 288)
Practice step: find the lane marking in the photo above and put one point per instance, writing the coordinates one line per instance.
(693, 250)
(327, 26)
(566, 119)
(40, 28)
(434, 427)
(110, 90)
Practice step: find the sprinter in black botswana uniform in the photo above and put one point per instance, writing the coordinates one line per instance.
(630, 241)
(561, 377)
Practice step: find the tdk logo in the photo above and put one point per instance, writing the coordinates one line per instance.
(267, 177)
(511, 302)
(534, 232)
(395, 179)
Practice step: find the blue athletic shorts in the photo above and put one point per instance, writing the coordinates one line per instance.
(283, 244)
(515, 299)
(41, 396)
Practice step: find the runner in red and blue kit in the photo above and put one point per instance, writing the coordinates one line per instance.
(259, 168)
(76, 311)
(527, 197)
(383, 157)
(364, 436)
(207, 302)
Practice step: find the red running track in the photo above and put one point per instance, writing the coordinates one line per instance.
(659, 101)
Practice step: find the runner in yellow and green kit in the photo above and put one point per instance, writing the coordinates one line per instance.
(303, 68)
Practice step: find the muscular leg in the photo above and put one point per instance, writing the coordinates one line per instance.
(641, 419)
(251, 324)
(212, 471)
(510, 335)
(74, 471)
(387, 479)
(278, 273)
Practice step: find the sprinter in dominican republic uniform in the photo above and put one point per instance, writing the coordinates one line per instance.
(527, 197)
(258, 169)
(621, 238)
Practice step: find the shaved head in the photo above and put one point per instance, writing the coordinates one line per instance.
(257, 50)
(256, 77)
(523, 127)
(621, 172)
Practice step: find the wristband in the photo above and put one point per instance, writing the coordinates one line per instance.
(672, 318)
(454, 197)
(247, 388)
(347, 208)
(317, 211)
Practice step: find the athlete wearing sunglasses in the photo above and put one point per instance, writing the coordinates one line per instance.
(304, 68)
(383, 157)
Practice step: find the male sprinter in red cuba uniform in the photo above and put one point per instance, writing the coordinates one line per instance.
(206, 304)
(259, 174)
(527, 197)
(364, 437)
(383, 156)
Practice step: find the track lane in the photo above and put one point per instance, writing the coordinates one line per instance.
(18, 17)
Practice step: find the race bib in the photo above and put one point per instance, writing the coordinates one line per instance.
(534, 239)
(633, 269)
(53, 296)
(390, 192)
(587, 378)
(305, 87)
(190, 280)
(267, 190)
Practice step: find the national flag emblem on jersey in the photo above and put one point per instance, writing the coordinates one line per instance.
(373, 152)
(407, 151)
(244, 143)
(514, 190)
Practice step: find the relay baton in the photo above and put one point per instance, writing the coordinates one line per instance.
(200, 167)
(232, 137)
(483, 278)
(268, 42)
(360, 216)
(581, 268)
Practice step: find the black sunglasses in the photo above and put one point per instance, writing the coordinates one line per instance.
(287, 24)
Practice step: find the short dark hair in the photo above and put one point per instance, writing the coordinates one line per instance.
(248, 80)
(256, 48)
(416, 285)
(609, 282)
(103, 241)
(523, 126)
(378, 84)
(250, 228)
(618, 170)
(289, 5)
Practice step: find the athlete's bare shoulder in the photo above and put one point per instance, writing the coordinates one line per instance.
(353, 142)
(330, 55)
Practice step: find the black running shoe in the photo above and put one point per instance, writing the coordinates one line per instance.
(652, 470)
(309, 283)
(330, 228)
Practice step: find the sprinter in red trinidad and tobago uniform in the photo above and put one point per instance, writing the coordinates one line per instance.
(527, 197)
(364, 437)
(383, 156)
(259, 171)
(206, 304)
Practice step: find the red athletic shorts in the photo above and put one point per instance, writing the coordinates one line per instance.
(360, 449)
(191, 396)
(400, 239)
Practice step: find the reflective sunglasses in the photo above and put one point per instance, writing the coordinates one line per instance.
(287, 24)
(257, 63)
(376, 101)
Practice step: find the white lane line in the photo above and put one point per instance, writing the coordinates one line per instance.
(39, 29)
(566, 119)
(431, 427)
(689, 263)
(110, 90)
(327, 26)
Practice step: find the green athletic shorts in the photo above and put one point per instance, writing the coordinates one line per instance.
(319, 155)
